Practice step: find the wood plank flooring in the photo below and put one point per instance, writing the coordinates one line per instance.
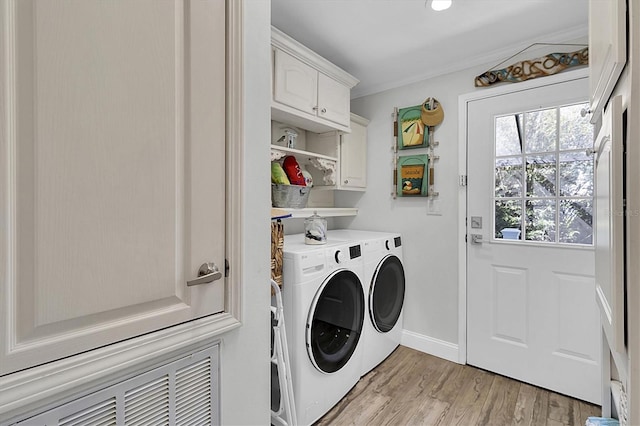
(413, 388)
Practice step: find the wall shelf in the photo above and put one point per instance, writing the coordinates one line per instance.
(277, 152)
(322, 211)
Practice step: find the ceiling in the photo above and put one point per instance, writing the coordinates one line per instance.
(390, 43)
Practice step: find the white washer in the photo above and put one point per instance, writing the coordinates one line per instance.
(384, 280)
(324, 309)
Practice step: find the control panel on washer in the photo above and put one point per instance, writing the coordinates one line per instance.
(343, 254)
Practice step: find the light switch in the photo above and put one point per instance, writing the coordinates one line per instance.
(433, 207)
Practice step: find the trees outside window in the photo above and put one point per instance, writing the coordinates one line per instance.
(544, 176)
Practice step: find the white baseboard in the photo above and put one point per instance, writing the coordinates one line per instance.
(430, 345)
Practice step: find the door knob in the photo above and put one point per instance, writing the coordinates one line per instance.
(207, 273)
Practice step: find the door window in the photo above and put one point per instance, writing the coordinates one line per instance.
(544, 176)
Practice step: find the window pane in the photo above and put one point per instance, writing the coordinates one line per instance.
(541, 175)
(576, 174)
(508, 215)
(507, 139)
(509, 177)
(540, 130)
(575, 131)
(576, 221)
(541, 220)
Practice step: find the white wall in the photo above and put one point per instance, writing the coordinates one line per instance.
(430, 242)
(245, 368)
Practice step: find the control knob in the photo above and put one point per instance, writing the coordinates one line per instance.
(339, 256)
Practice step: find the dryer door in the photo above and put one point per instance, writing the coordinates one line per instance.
(386, 294)
(335, 321)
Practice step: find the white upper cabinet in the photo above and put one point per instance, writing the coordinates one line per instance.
(353, 155)
(350, 149)
(607, 50)
(309, 92)
(113, 183)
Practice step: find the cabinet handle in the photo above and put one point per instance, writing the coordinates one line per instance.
(315, 108)
(346, 181)
(323, 110)
(207, 273)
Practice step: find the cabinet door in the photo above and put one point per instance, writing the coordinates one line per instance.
(353, 157)
(112, 190)
(333, 100)
(295, 83)
(607, 50)
(610, 225)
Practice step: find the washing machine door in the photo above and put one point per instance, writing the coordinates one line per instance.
(386, 293)
(335, 321)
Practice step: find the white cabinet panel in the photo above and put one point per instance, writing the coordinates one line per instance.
(353, 155)
(116, 118)
(333, 100)
(295, 83)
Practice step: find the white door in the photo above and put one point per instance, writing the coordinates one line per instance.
(113, 160)
(531, 311)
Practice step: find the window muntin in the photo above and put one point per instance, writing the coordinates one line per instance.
(544, 176)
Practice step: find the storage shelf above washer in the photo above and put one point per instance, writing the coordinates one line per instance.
(327, 165)
(322, 211)
(277, 152)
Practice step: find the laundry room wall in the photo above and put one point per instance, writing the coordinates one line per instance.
(430, 236)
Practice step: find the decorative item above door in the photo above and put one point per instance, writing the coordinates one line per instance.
(549, 64)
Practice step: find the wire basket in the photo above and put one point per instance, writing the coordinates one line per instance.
(289, 196)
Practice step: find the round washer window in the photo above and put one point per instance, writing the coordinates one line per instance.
(387, 294)
(335, 321)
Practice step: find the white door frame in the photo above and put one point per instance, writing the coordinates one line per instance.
(463, 101)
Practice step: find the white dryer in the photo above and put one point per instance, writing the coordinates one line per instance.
(384, 280)
(324, 307)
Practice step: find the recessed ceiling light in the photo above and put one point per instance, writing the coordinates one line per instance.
(439, 5)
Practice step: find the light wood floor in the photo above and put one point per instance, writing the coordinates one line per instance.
(413, 388)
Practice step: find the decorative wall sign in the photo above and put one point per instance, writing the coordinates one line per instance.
(412, 133)
(552, 63)
(412, 177)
